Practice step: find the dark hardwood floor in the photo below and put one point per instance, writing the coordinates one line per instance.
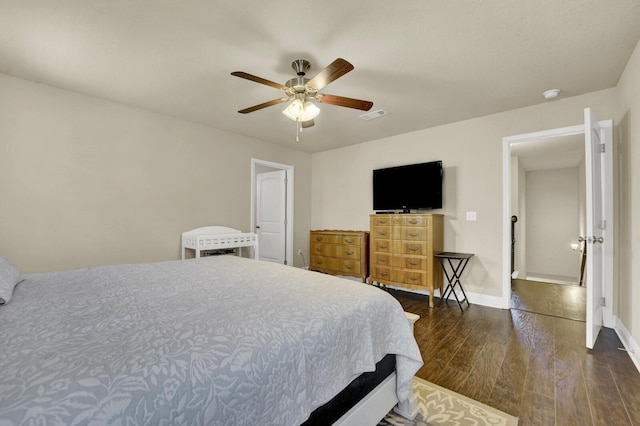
(529, 365)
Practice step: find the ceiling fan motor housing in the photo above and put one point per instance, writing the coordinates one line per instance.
(300, 66)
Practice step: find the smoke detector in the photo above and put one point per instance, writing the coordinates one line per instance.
(551, 93)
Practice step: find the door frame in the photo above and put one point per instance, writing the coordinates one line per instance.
(289, 202)
(607, 126)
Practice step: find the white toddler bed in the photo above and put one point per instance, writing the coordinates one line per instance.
(218, 238)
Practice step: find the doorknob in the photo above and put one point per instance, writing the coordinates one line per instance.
(581, 239)
(598, 240)
(257, 226)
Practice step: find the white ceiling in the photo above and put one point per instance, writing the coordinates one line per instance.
(426, 62)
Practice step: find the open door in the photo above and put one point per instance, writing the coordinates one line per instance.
(595, 225)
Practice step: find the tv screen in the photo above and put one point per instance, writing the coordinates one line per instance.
(415, 186)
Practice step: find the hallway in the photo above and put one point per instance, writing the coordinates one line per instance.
(558, 300)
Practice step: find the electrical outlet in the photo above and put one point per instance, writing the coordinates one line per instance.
(299, 252)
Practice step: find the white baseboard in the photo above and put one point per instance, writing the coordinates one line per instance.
(486, 300)
(629, 343)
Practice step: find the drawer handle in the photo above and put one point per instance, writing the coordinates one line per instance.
(382, 260)
(414, 221)
(319, 262)
(350, 253)
(383, 246)
(414, 235)
(413, 262)
(383, 273)
(382, 233)
(348, 241)
(413, 278)
(318, 238)
(383, 222)
(413, 248)
(319, 248)
(348, 266)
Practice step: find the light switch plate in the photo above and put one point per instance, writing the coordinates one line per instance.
(472, 216)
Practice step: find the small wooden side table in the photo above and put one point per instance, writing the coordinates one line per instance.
(457, 262)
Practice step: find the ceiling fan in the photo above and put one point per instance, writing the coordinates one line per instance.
(302, 91)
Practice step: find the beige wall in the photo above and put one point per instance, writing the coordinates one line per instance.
(552, 222)
(628, 196)
(471, 152)
(89, 182)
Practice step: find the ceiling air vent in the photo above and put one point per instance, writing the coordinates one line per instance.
(374, 114)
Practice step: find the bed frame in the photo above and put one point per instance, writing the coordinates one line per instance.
(368, 398)
(218, 238)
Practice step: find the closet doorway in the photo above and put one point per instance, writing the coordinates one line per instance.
(272, 210)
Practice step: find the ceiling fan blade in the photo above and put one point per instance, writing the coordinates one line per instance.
(263, 105)
(257, 79)
(308, 123)
(332, 72)
(345, 102)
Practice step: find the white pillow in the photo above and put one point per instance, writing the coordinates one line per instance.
(9, 277)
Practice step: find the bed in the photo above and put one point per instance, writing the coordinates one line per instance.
(220, 340)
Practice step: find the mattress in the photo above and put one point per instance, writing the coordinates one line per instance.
(221, 340)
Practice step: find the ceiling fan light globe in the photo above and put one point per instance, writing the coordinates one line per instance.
(311, 111)
(288, 114)
(296, 109)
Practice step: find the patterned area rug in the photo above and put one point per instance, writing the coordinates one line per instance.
(439, 406)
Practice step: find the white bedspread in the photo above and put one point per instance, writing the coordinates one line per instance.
(219, 340)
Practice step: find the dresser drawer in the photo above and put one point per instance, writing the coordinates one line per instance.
(323, 263)
(382, 232)
(382, 246)
(414, 220)
(350, 252)
(329, 250)
(386, 220)
(414, 233)
(380, 272)
(380, 259)
(407, 262)
(349, 266)
(350, 240)
(418, 278)
(324, 238)
(418, 248)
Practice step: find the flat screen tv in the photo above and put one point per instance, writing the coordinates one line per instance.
(414, 186)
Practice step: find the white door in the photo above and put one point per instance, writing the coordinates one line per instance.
(595, 224)
(271, 193)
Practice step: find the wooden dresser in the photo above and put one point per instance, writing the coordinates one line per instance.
(338, 252)
(402, 249)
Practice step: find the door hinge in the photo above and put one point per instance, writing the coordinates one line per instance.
(603, 149)
(603, 302)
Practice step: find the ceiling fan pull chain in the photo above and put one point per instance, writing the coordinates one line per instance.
(297, 131)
